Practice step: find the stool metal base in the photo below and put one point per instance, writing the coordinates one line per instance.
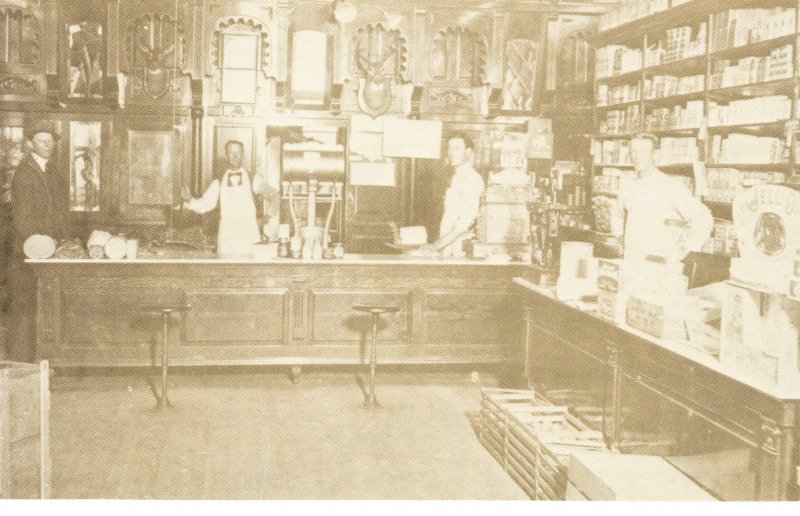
(371, 402)
(162, 400)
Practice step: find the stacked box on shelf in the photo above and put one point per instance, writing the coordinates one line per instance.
(614, 60)
(660, 86)
(723, 183)
(689, 116)
(678, 150)
(630, 11)
(753, 69)
(607, 96)
(746, 148)
(677, 44)
(533, 439)
(738, 27)
(759, 110)
(608, 181)
(611, 152)
(621, 121)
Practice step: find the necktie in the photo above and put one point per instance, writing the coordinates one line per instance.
(234, 178)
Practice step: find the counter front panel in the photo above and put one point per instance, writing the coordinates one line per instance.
(290, 313)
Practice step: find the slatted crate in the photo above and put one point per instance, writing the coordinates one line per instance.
(24, 430)
(533, 439)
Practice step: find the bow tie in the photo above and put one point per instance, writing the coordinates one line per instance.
(234, 175)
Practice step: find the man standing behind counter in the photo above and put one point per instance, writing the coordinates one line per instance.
(38, 207)
(659, 214)
(238, 224)
(461, 202)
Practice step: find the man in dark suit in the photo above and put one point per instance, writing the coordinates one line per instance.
(39, 206)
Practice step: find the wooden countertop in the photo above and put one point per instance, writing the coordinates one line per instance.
(352, 259)
(677, 347)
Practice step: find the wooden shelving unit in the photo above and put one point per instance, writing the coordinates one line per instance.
(644, 33)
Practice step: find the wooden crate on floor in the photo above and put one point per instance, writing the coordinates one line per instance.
(24, 430)
(533, 440)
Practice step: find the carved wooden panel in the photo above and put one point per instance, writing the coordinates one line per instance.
(156, 51)
(378, 58)
(458, 54)
(86, 43)
(237, 316)
(107, 316)
(240, 54)
(152, 163)
(519, 78)
(465, 316)
(20, 37)
(23, 51)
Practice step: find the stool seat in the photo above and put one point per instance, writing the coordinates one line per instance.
(376, 309)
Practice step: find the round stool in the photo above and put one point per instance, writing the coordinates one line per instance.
(375, 311)
(165, 310)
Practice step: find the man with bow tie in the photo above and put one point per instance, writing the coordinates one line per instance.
(233, 191)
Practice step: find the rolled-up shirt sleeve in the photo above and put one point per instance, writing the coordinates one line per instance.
(470, 202)
(208, 201)
(698, 218)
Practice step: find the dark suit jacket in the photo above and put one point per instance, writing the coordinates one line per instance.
(39, 203)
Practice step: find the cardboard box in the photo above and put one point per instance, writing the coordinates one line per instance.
(612, 476)
(24, 430)
(759, 335)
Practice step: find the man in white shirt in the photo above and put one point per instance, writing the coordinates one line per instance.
(233, 192)
(658, 213)
(462, 200)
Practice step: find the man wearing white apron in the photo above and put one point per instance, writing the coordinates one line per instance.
(238, 226)
(462, 200)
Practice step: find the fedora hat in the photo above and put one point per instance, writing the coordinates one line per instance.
(33, 127)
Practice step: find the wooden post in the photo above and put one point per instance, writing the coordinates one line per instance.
(45, 465)
(5, 433)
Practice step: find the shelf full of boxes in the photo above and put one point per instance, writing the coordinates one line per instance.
(717, 82)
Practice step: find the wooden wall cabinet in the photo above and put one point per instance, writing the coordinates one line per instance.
(27, 54)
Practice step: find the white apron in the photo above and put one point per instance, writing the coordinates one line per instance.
(238, 228)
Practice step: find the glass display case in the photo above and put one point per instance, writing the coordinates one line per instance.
(734, 437)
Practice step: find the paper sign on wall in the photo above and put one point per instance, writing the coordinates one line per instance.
(412, 138)
(367, 173)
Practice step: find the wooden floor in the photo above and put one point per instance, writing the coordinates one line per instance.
(235, 435)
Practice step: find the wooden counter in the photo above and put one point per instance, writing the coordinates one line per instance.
(285, 312)
(735, 435)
